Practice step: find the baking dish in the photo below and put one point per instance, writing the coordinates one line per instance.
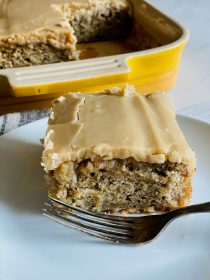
(149, 70)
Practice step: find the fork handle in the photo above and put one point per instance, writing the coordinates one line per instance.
(192, 209)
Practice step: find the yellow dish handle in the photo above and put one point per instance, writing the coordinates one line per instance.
(149, 72)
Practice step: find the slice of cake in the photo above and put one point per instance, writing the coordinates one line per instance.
(35, 32)
(117, 151)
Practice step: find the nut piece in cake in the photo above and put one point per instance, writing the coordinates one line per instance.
(117, 151)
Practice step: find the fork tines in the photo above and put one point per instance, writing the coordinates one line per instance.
(110, 227)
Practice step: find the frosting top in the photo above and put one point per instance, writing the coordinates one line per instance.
(20, 16)
(114, 124)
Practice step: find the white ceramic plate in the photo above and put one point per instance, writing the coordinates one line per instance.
(34, 247)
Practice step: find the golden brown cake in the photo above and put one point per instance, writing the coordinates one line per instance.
(35, 32)
(117, 151)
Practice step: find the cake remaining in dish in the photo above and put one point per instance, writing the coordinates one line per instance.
(36, 32)
(117, 151)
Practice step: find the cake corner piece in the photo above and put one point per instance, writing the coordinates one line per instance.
(117, 151)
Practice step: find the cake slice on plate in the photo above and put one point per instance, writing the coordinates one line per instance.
(117, 151)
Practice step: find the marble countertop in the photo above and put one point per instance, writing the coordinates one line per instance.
(191, 93)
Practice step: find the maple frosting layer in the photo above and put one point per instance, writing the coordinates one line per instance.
(19, 16)
(25, 16)
(114, 124)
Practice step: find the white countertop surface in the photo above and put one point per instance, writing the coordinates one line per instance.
(191, 93)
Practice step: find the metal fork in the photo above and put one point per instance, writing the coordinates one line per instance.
(120, 229)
